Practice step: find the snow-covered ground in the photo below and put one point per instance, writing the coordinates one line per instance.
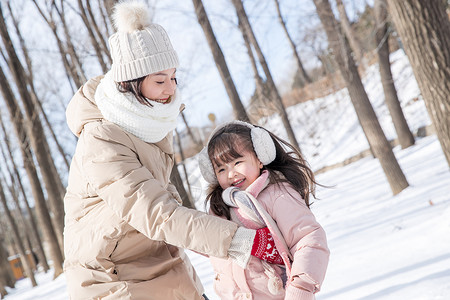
(382, 246)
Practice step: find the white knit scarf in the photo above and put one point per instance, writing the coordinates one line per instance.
(151, 124)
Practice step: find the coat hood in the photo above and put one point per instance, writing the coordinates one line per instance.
(82, 108)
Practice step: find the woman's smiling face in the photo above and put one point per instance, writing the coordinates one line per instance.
(159, 87)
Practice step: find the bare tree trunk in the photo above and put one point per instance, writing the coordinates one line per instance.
(21, 40)
(41, 209)
(100, 36)
(6, 276)
(23, 225)
(70, 48)
(41, 149)
(72, 74)
(29, 76)
(259, 82)
(34, 258)
(33, 226)
(23, 257)
(18, 214)
(38, 103)
(405, 136)
(102, 6)
(302, 70)
(355, 43)
(424, 29)
(364, 110)
(94, 41)
(242, 16)
(186, 176)
(176, 180)
(196, 142)
(327, 63)
(238, 108)
(109, 4)
(3, 291)
(262, 102)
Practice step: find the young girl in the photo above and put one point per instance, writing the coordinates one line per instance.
(255, 182)
(124, 225)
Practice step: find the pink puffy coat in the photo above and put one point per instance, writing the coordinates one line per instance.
(304, 237)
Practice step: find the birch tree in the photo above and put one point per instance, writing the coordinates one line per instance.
(175, 178)
(30, 79)
(96, 38)
(198, 144)
(15, 177)
(6, 277)
(42, 211)
(16, 236)
(19, 217)
(71, 62)
(363, 108)
(274, 94)
(186, 175)
(424, 29)
(404, 135)
(261, 102)
(219, 59)
(50, 177)
(301, 68)
(353, 39)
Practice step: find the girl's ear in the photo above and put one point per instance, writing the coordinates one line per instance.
(261, 165)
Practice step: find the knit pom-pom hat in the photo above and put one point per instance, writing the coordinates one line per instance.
(139, 47)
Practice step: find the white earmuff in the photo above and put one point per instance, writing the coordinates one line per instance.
(206, 167)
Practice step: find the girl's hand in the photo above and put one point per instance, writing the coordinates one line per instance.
(264, 247)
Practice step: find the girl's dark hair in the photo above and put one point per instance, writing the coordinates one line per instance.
(134, 87)
(289, 165)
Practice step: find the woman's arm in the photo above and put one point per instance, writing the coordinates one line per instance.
(132, 192)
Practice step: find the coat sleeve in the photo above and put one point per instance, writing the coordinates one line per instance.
(132, 192)
(306, 240)
(173, 190)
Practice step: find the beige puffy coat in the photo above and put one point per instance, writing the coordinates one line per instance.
(124, 228)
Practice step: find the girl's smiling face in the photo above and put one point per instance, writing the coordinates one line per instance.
(240, 172)
(159, 87)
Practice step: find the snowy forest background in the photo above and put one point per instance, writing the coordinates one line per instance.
(49, 48)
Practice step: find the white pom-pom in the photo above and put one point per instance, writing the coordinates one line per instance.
(275, 285)
(130, 16)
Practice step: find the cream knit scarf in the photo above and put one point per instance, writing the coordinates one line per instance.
(151, 124)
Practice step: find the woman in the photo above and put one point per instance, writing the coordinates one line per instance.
(124, 224)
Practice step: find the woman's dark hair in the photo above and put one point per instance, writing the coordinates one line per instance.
(134, 87)
(289, 165)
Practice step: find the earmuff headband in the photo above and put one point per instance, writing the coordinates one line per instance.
(262, 144)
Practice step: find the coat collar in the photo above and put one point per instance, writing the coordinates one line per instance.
(259, 184)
